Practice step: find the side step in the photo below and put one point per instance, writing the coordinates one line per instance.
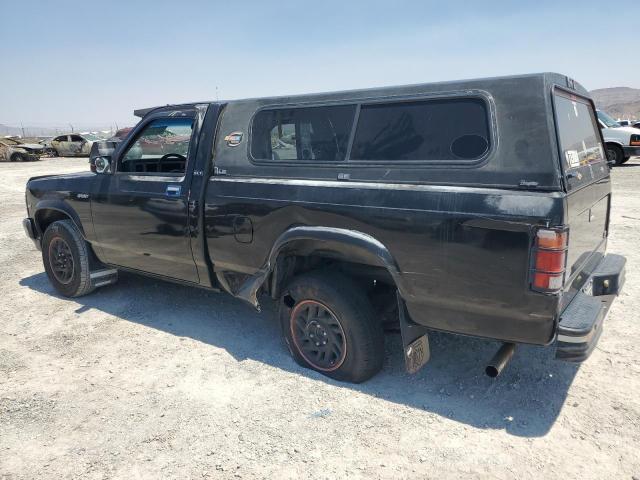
(102, 277)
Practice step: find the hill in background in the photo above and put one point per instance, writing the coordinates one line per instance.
(619, 102)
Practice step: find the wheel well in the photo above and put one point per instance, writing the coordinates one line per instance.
(613, 144)
(376, 281)
(47, 216)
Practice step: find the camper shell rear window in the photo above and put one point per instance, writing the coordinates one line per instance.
(578, 132)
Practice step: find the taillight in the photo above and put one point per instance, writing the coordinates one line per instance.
(635, 140)
(549, 260)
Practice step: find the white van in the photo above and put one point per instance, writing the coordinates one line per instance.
(622, 142)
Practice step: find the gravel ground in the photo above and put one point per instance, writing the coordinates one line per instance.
(146, 379)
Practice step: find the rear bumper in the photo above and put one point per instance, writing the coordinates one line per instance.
(631, 151)
(30, 230)
(582, 321)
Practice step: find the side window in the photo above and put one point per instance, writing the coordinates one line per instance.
(77, 138)
(162, 147)
(430, 130)
(61, 138)
(313, 134)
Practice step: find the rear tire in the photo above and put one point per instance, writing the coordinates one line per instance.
(66, 259)
(615, 154)
(329, 326)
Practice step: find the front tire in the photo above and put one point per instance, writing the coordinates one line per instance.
(18, 157)
(329, 326)
(66, 259)
(615, 154)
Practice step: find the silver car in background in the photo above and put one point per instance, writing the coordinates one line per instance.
(73, 144)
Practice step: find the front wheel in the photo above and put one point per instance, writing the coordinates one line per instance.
(18, 157)
(65, 255)
(330, 326)
(615, 154)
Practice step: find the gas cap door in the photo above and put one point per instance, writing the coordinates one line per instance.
(243, 229)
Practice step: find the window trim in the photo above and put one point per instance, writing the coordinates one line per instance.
(140, 129)
(481, 95)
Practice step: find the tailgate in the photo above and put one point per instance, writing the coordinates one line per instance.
(588, 185)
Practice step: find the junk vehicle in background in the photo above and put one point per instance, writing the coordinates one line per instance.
(73, 144)
(476, 207)
(12, 150)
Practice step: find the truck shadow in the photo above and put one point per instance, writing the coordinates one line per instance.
(524, 401)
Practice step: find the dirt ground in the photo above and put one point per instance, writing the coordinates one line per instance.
(146, 379)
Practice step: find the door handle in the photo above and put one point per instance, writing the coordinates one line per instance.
(173, 190)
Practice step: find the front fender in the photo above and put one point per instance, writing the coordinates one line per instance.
(43, 209)
(350, 245)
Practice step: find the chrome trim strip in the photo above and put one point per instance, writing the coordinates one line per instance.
(371, 185)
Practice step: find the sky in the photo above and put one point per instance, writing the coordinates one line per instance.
(92, 63)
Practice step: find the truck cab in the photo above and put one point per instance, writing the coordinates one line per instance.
(476, 207)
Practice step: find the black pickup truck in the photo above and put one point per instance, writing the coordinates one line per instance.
(477, 207)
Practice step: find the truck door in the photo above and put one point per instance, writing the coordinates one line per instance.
(140, 211)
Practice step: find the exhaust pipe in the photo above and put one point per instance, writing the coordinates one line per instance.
(500, 359)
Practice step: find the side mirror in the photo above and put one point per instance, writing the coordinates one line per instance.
(102, 165)
(101, 150)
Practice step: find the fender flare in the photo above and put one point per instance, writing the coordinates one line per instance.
(58, 206)
(351, 243)
(615, 142)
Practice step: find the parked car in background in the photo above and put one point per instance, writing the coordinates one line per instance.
(621, 142)
(624, 123)
(73, 144)
(12, 150)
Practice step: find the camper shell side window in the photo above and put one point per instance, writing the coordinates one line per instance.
(450, 130)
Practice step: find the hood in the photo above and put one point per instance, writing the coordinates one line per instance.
(61, 176)
(629, 130)
(32, 146)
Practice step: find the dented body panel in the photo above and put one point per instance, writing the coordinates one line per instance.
(13, 150)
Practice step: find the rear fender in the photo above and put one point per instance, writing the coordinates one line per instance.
(350, 245)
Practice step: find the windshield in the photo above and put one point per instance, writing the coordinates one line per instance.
(91, 137)
(607, 120)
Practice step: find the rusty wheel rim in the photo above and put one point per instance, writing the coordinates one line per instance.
(318, 335)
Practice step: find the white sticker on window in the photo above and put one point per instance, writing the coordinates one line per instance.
(573, 159)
